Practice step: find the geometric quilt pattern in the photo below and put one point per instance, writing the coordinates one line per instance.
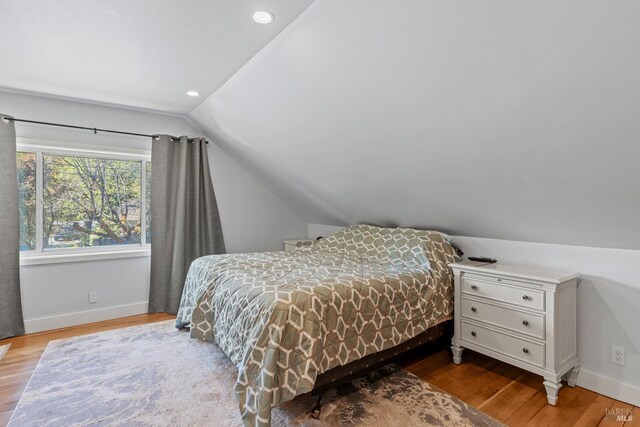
(285, 317)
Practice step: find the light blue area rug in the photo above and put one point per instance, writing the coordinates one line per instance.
(154, 375)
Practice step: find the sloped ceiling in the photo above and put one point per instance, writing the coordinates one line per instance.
(513, 120)
(140, 53)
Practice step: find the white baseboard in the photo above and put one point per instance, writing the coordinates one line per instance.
(82, 317)
(609, 387)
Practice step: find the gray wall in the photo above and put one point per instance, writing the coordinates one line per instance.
(514, 120)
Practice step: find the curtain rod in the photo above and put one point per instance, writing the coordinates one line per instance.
(95, 130)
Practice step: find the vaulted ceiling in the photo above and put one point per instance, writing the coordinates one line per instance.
(513, 120)
(140, 53)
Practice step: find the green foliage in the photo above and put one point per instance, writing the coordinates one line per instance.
(91, 202)
(26, 163)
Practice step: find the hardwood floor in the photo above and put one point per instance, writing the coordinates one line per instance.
(512, 395)
(509, 394)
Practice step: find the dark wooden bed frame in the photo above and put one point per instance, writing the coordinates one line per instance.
(342, 374)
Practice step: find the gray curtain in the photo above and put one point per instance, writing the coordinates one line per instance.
(185, 224)
(11, 322)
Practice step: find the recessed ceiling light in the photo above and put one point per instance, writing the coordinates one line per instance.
(262, 17)
(193, 93)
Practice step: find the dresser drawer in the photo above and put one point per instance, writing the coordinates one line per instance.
(519, 321)
(507, 345)
(505, 292)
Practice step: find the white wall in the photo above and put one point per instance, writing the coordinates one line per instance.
(502, 119)
(608, 302)
(56, 295)
(253, 219)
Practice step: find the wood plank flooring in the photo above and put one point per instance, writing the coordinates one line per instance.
(509, 394)
(512, 395)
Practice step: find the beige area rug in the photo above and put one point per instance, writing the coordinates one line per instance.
(154, 375)
(4, 349)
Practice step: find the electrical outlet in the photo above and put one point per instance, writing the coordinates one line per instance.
(93, 297)
(617, 355)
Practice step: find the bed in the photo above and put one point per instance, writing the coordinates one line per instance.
(287, 318)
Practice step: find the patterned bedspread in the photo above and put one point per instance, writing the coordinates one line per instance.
(285, 317)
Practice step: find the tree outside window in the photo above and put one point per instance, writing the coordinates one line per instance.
(86, 201)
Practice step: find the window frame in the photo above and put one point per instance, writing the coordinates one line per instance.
(40, 255)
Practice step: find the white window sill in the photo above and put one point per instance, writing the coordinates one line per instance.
(48, 258)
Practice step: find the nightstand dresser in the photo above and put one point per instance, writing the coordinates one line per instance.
(523, 316)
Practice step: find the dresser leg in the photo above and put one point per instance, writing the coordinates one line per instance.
(457, 354)
(552, 388)
(572, 376)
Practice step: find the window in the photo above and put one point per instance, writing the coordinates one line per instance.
(71, 200)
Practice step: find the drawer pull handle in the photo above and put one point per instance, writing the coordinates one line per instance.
(474, 287)
(526, 298)
(525, 322)
(473, 333)
(526, 350)
(473, 309)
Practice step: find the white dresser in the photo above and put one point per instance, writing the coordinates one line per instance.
(521, 315)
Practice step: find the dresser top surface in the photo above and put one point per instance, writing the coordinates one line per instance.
(516, 271)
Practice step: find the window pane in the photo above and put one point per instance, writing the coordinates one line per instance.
(26, 163)
(148, 202)
(90, 202)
